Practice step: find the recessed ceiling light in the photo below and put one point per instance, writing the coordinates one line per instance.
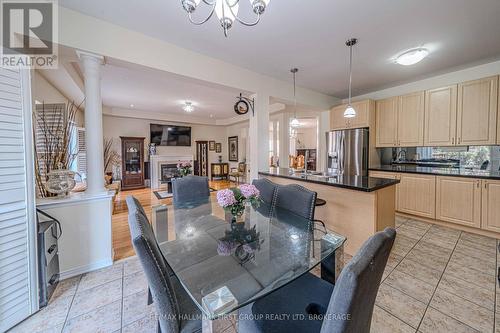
(211, 116)
(412, 57)
(188, 107)
(132, 105)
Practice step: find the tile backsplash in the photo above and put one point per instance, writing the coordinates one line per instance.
(469, 157)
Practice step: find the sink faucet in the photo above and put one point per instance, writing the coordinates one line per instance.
(401, 155)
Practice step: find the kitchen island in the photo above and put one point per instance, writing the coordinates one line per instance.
(356, 207)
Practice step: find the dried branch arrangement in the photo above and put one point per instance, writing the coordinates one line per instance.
(53, 128)
(111, 157)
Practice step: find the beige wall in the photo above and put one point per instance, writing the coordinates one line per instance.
(307, 138)
(114, 127)
(240, 130)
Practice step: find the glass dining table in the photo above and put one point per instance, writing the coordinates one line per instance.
(224, 265)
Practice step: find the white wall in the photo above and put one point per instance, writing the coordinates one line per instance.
(114, 127)
(307, 138)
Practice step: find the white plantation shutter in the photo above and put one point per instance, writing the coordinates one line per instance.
(17, 291)
(81, 159)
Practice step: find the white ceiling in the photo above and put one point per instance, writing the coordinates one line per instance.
(311, 34)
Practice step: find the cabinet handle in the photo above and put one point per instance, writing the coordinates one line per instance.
(452, 141)
(459, 140)
(478, 183)
(485, 185)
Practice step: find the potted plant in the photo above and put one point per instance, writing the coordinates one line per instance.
(184, 168)
(233, 200)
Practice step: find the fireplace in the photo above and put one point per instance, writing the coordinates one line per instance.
(168, 171)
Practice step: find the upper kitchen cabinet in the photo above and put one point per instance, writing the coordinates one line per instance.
(387, 122)
(411, 120)
(364, 115)
(477, 112)
(440, 116)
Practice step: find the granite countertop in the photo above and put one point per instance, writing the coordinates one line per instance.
(357, 183)
(454, 172)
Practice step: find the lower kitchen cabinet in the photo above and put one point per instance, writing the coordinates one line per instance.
(388, 175)
(458, 200)
(417, 195)
(491, 205)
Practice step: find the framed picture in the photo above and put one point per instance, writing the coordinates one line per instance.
(211, 145)
(233, 148)
(218, 148)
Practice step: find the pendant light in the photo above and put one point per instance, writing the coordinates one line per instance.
(349, 111)
(295, 121)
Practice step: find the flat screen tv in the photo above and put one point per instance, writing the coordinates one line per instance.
(170, 135)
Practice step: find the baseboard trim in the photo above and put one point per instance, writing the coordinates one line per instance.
(85, 268)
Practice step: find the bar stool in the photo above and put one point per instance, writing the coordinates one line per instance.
(320, 202)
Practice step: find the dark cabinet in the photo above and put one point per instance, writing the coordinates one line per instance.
(132, 162)
(220, 170)
(201, 164)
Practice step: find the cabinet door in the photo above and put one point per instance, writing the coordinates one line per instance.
(411, 120)
(387, 122)
(417, 195)
(477, 112)
(337, 119)
(440, 116)
(490, 219)
(388, 175)
(362, 118)
(459, 200)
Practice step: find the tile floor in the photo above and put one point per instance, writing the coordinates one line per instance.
(437, 280)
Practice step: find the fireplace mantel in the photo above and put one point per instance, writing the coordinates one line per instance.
(157, 160)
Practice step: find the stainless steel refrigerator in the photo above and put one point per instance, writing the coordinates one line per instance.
(347, 152)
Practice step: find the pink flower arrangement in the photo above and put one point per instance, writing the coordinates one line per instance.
(226, 198)
(249, 191)
(184, 168)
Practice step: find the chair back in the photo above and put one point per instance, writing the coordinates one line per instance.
(154, 266)
(190, 188)
(266, 188)
(351, 304)
(296, 199)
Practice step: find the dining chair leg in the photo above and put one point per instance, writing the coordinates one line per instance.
(150, 297)
(333, 265)
(158, 328)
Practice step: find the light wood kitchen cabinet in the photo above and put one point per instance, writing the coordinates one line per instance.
(477, 112)
(410, 130)
(440, 116)
(498, 116)
(364, 113)
(490, 219)
(388, 175)
(459, 200)
(387, 122)
(417, 195)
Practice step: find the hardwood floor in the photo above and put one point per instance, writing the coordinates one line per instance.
(122, 244)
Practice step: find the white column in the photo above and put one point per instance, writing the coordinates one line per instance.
(259, 136)
(323, 128)
(91, 64)
(284, 139)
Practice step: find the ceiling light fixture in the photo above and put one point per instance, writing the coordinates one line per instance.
(349, 111)
(295, 121)
(188, 107)
(412, 56)
(226, 11)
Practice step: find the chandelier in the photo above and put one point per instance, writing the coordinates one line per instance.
(226, 11)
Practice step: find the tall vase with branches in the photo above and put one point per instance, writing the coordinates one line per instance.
(52, 133)
(111, 157)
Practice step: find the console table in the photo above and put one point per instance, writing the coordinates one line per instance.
(219, 170)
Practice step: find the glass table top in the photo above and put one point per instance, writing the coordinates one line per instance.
(224, 266)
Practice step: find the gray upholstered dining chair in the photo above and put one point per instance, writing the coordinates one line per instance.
(319, 306)
(172, 302)
(296, 199)
(266, 188)
(190, 188)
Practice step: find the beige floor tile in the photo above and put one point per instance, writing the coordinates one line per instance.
(443, 241)
(469, 291)
(134, 283)
(143, 325)
(93, 298)
(402, 245)
(420, 271)
(490, 250)
(488, 241)
(437, 322)
(442, 231)
(427, 259)
(400, 305)
(101, 276)
(49, 318)
(474, 253)
(462, 310)
(103, 319)
(481, 279)
(400, 221)
(486, 266)
(418, 224)
(388, 269)
(384, 322)
(136, 307)
(131, 265)
(434, 250)
(394, 259)
(410, 231)
(420, 290)
(67, 287)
